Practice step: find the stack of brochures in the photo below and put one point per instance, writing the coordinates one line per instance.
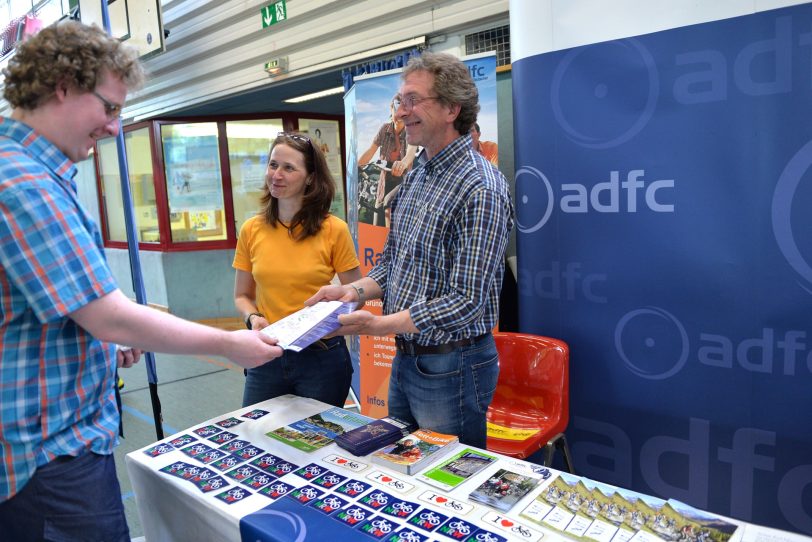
(414, 451)
(374, 435)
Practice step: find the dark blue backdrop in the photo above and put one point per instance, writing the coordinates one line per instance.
(663, 201)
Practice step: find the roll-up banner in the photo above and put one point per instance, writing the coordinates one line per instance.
(663, 194)
(375, 141)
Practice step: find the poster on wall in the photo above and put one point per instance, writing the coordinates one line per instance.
(378, 158)
(193, 173)
(324, 135)
(664, 234)
(252, 174)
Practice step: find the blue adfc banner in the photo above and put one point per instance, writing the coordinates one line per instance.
(664, 186)
(288, 519)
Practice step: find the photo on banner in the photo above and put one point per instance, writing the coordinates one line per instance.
(378, 157)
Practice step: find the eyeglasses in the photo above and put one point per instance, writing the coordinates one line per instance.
(112, 110)
(410, 101)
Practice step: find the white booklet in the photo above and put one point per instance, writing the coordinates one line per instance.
(306, 326)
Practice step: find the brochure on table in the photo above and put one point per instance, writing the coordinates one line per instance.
(319, 430)
(478, 493)
(415, 451)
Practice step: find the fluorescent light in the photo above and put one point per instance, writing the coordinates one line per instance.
(315, 95)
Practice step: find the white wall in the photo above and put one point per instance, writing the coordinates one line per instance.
(218, 48)
(563, 24)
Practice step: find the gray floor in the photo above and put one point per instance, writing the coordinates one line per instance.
(192, 389)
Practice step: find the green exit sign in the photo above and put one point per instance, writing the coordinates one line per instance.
(274, 13)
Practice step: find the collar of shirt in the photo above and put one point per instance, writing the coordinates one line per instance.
(447, 156)
(40, 149)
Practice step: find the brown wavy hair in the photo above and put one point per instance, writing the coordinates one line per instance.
(318, 195)
(453, 84)
(67, 51)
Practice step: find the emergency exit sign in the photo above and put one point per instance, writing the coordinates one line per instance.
(274, 13)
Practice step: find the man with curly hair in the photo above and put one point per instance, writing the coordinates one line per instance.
(60, 309)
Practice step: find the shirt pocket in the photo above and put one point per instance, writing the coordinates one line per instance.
(430, 241)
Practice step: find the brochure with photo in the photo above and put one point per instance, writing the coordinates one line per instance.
(558, 506)
(606, 524)
(504, 489)
(306, 326)
(414, 451)
(593, 511)
(457, 469)
(680, 522)
(319, 430)
(641, 515)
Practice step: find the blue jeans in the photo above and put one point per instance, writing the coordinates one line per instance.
(317, 373)
(68, 499)
(448, 393)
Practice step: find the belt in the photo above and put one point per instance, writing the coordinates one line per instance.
(324, 344)
(411, 348)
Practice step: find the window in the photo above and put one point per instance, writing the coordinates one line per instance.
(195, 188)
(194, 185)
(248, 144)
(495, 39)
(142, 187)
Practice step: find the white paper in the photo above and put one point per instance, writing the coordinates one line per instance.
(304, 327)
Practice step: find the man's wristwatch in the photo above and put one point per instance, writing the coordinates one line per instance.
(248, 318)
(360, 291)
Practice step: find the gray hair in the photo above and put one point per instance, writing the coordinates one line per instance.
(453, 85)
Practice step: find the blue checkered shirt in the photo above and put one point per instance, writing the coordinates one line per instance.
(56, 381)
(444, 257)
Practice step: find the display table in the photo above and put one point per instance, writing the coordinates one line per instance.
(210, 483)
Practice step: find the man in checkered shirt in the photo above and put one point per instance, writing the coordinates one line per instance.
(441, 270)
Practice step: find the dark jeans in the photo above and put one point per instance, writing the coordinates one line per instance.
(324, 374)
(448, 393)
(69, 499)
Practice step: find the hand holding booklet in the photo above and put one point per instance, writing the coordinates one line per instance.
(306, 326)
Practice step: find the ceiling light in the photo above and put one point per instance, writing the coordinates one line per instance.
(315, 95)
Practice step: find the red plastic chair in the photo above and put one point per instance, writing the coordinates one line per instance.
(532, 395)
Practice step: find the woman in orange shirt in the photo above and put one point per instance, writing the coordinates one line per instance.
(284, 255)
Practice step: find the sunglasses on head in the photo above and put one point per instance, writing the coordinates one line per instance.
(296, 137)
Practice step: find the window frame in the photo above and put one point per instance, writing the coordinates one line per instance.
(290, 121)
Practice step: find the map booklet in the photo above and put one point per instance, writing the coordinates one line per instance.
(504, 489)
(414, 451)
(319, 430)
(306, 326)
(374, 435)
(457, 469)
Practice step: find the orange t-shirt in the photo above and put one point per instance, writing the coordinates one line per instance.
(489, 150)
(287, 271)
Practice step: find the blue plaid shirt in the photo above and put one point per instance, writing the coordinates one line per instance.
(56, 381)
(444, 256)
